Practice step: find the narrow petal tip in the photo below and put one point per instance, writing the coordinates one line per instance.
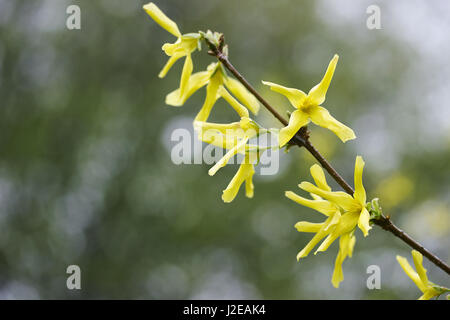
(148, 6)
(160, 18)
(360, 158)
(304, 185)
(348, 138)
(227, 197)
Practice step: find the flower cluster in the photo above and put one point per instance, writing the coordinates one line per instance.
(343, 212)
(232, 137)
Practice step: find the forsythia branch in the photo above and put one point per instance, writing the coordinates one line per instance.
(386, 224)
(301, 139)
(345, 211)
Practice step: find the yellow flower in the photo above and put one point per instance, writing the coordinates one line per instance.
(308, 108)
(343, 215)
(233, 137)
(336, 224)
(183, 47)
(420, 278)
(355, 204)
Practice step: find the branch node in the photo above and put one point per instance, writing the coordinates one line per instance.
(221, 43)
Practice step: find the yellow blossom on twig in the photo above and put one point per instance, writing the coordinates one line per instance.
(355, 204)
(183, 47)
(344, 213)
(308, 108)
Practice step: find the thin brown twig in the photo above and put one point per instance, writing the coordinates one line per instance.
(301, 140)
(386, 224)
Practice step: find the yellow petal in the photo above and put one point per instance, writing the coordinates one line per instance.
(211, 98)
(161, 19)
(322, 206)
(297, 120)
(312, 243)
(338, 274)
(233, 129)
(196, 81)
(245, 171)
(346, 224)
(223, 135)
(411, 273)
(327, 242)
(319, 177)
(315, 196)
(418, 263)
(239, 147)
(339, 198)
(334, 219)
(249, 187)
(351, 245)
(186, 74)
(239, 108)
(429, 294)
(296, 97)
(363, 222)
(169, 65)
(175, 48)
(360, 192)
(242, 94)
(321, 117)
(346, 244)
(219, 140)
(304, 226)
(182, 46)
(316, 95)
(249, 125)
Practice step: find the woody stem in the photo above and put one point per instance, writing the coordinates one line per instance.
(301, 139)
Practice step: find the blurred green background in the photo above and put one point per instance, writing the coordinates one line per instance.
(86, 176)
